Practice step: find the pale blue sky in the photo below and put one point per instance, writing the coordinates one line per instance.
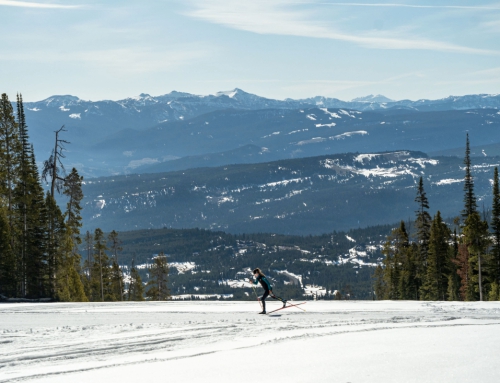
(112, 49)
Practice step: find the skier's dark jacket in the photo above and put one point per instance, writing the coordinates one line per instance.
(266, 285)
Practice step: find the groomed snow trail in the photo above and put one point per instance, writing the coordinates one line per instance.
(344, 341)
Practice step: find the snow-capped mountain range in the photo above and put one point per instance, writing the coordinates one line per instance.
(180, 106)
(111, 137)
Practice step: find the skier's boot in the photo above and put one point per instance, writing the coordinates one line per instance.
(263, 312)
(284, 303)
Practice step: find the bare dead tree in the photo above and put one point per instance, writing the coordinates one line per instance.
(53, 167)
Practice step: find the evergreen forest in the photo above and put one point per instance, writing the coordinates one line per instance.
(45, 256)
(440, 263)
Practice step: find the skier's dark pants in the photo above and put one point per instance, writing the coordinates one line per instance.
(265, 295)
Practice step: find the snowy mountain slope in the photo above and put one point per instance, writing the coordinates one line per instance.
(297, 196)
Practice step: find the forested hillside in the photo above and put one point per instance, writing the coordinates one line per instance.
(206, 262)
(311, 195)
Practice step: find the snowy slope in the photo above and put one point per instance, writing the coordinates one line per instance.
(335, 341)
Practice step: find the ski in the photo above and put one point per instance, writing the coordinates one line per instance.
(288, 306)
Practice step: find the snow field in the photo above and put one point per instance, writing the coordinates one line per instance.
(334, 341)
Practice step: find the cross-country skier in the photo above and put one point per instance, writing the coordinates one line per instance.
(266, 285)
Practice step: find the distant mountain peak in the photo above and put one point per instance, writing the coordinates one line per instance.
(59, 100)
(372, 98)
(142, 96)
(229, 93)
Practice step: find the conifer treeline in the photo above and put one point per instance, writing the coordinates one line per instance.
(441, 264)
(39, 244)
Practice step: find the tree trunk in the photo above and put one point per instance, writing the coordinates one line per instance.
(480, 278)
(100, 269)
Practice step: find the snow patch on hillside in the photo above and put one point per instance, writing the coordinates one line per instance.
(422, 161)
(447, 181)
(182, 267)
(331, 125)
(349, 134)
(296, 279)
(331, 114)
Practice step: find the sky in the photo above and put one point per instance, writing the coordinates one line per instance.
(113, 49)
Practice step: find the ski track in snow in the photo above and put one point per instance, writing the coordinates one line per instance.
(38, 341)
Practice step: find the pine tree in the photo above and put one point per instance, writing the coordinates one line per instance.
(158, 279)
(470, 204)
(87, 264)
(394, 249)
(409, 281)
(73, 190)
(22, 192)
(117, 276)
(56, 236)
(380, 285)
(435, 283)
(423, 220)
(69, 286)
(494, 294)
(453, 291)
(476, 238)
(135, 287)
(494, 267)
(101, 289)
(32, 261)
(7, 259)
(464, 272)
(10, 147)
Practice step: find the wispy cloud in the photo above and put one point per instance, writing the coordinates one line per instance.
(27, 4)
(395, 5)
(278, 18)
(119, 61)
(334, 86)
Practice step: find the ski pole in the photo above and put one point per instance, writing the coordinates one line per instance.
(256, 296)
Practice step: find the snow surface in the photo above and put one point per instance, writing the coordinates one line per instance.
(211, 341)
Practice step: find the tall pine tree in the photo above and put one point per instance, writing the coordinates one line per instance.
(158, 279)
(476, 239)
(470, 204)
(494, 266)
(116, 273)
(100, 284)
(423, 226)
(395, 249)
(435, 284)
(8, 280)
(10, 147)
(135, 287)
